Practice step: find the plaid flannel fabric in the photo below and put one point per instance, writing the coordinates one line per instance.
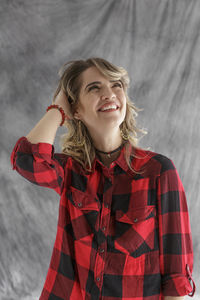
(120, 235)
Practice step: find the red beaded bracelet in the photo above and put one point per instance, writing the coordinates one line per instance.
(61, 111)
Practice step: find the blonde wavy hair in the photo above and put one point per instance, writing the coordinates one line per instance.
(77, 142)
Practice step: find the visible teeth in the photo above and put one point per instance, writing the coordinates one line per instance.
(109, 107)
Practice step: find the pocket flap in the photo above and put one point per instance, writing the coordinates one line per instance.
(82, 200)
(135, 216)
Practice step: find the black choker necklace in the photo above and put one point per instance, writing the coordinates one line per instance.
(109, 153)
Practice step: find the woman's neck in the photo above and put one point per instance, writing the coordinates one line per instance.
(108, 158)
(107, 143)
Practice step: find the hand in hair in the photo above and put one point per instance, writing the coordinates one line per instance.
(61, 100)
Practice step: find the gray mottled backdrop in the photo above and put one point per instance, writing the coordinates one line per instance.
(157, 41)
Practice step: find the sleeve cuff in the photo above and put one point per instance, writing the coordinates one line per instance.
(40, 151)
(179, 284)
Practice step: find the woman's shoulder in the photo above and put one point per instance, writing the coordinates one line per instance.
(152, 160)
(62, 158)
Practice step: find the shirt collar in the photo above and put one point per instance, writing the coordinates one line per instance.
(120, 161)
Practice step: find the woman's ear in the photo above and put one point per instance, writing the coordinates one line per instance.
(76, 111)
(77, 115)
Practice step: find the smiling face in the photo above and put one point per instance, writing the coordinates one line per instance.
(97, 92)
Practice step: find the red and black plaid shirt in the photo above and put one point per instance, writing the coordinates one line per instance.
(120, 235)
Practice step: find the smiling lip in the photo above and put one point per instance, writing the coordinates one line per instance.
(109, 110)
(108, 104)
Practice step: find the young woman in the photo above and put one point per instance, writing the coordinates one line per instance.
(123, 226)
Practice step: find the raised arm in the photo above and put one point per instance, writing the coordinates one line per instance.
(45, 130)
(33, 155)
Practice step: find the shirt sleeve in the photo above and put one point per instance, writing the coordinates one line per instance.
(175, 240)
(38, 164)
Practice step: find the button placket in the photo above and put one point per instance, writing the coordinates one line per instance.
(104, 221)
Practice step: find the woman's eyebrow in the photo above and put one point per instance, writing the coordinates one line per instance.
(97, 82)
(94, 82)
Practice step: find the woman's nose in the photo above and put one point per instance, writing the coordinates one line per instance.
(107, 92)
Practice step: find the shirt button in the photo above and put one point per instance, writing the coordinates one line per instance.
(98, 278)
(106, 205)
(79, 204)
(135, 220)
(101, 250)
(103, 228)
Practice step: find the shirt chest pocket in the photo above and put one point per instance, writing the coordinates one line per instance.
(82, 201)
(84, 213)
(135, 230)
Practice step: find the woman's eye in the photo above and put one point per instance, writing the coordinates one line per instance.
(97, 87)
(119, 84)
(93, 87)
